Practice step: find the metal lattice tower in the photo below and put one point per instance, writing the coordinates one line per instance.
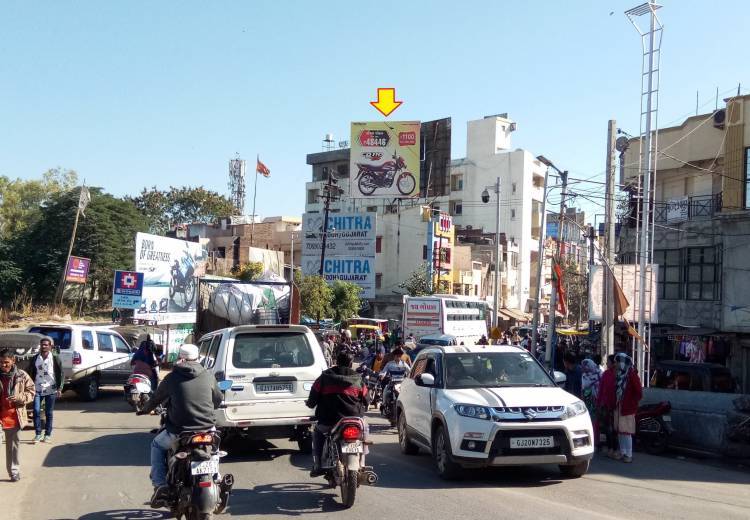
(237, 184)
(650, 73)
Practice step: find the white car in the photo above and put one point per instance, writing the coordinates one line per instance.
(479, 406)
(272, 369)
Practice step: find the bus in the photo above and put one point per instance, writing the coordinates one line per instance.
(462, 316)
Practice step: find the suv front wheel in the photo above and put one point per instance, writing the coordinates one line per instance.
(441, 452)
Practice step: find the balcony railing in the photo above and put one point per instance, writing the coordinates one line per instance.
(698, 207)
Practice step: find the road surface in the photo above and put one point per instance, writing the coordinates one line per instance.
(97, 469)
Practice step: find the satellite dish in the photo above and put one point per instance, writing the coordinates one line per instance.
(621, 144)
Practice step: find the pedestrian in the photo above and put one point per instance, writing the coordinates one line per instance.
(629, 393)
(606, 402)
(591, 375)
(45, 370)
(16, 391)
(483, 340)
(573, 375)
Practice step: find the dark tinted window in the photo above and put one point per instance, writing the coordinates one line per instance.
(59, 335)
(272, 350)
(87, 340)
(105, 342)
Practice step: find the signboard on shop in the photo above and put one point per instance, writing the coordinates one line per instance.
(350, 248)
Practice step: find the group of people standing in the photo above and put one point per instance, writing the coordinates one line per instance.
(611, 396)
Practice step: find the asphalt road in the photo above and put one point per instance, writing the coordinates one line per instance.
(97, 469)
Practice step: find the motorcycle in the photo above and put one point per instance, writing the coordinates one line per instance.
(343, 458)
(371, 177)
(196, 488)
(138, 391)
(654, 426)
(183, 282)
(391, 390)
(374, 387)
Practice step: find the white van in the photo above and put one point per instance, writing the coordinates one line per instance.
(91, 356)
(272, 368)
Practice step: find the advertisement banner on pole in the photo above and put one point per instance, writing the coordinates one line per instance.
(127, 291)
(628, 277)
(171, 268)
(78, 270)
(350, 248)
(385, 157)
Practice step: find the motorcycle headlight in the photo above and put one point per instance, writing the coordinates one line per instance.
(573, 410)
(474, 411)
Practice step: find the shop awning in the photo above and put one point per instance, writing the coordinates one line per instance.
(514, 314)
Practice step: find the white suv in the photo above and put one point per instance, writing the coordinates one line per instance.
(272, 369)
(479, 406)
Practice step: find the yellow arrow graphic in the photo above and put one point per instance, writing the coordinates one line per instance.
(386, 102)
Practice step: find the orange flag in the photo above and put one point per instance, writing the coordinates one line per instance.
(262, 169)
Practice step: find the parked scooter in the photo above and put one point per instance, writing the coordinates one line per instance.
(654, 427)
(344, 456)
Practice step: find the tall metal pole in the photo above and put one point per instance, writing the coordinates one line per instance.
(553, 299)
(326, 208)
(646, 201)
(608, 329)
(61, 287)
(540, 263)
(498, 257)
(255, 193)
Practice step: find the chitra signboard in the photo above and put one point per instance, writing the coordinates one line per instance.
(384, 159)
(350, 248)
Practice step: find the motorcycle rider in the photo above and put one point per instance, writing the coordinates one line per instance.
(193, 395)
(337, 393)
(398, 363)
(144, 361)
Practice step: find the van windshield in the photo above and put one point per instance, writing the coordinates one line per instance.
(272, 350)
(60, 336)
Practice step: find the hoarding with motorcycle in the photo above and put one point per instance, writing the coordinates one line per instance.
(170, 270)
(385, 157)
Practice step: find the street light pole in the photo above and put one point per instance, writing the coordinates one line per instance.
(496, 295)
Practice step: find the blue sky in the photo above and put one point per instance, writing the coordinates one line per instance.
(132, 94)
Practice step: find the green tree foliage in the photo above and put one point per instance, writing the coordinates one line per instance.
(165, 208)
(21, 200)
(315, 296)
(346, 300)
(418, 282)
(248, 271)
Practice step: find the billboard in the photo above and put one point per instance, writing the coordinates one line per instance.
(350, 248)
(628, 277)
(78, 269)
(385, 156)
(170, 270)
(127, 291)
(435, 158)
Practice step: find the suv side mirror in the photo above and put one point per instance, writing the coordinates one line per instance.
(560, 378)
(426, 379)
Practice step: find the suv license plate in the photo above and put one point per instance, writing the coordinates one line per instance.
(273, 387)
(351, 447)
(532, 442)
(206, 467)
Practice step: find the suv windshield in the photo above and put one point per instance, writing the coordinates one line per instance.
(272, 350)
(494, 369)
(60, 336)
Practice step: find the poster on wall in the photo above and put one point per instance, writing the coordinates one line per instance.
(384, 159)
(170, 270)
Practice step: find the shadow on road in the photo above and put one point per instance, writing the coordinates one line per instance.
(127, 514)
(123, 449)
(290, 499)
(263, 451)
(110, 400)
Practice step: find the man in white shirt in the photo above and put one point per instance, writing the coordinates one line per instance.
(45, 369)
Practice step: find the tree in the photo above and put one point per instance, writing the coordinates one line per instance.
(165, 208)
(576, 291)
(248, 271)
(346, 300)
(418, 282)
(315, 296)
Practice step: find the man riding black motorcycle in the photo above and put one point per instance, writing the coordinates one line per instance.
(193, 395)
(337, 393)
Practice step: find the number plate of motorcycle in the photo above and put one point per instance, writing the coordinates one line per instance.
(532, 442)
(267, 388)
(352, 447)
(206, 467)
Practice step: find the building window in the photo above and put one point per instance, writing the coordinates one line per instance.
(669, 281)
(457, 182)
(513, 187)
(747, 178)
(378, 244)
(312, 196)
(378, 280)
(513, 214)
(457, 207)
(342, 170)
(702, 273)
(372, 209)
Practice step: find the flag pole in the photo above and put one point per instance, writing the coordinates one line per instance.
(255, 192)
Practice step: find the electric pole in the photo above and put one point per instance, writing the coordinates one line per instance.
(331, 193)
(553, 299)
(608, 308)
